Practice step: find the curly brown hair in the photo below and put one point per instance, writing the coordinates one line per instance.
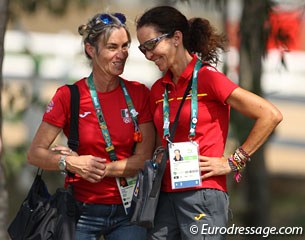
(205, 41)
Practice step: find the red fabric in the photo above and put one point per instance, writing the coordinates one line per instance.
(121, 129)
(289, 26)
(213, 115)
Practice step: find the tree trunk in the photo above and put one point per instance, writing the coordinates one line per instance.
(253, 38)
(3, 192)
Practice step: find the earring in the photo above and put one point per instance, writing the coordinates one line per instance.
(176, 44)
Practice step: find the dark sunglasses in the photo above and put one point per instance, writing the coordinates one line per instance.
(107, 19)
(151, 44)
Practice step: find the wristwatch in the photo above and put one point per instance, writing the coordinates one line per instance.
(62, 164)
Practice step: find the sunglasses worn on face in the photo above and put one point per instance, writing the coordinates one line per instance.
(152, 43)
(107, 19)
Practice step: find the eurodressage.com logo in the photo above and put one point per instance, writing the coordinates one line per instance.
(265, 232)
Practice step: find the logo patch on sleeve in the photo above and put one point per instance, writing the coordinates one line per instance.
(50, 107)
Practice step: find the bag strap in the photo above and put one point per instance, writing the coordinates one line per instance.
(73, 139)
(162, 165)
(175, 124)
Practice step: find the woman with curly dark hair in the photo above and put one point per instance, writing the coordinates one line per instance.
(186, 50)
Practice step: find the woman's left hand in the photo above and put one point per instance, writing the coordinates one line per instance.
(213, 166)
(63, 150)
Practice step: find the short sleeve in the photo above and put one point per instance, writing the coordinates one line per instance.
(215, 83)
(58, 110)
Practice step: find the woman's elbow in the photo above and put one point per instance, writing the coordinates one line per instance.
(29, 158)
(276, 117)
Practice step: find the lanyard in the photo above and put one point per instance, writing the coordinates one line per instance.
(130, 106)
(194, 105)
(100, 116)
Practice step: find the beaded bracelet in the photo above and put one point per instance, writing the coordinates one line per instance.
(245, 155)
(237, 162)
(235, 168)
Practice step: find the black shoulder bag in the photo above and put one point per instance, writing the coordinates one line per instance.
(42, 215)
(147, 189)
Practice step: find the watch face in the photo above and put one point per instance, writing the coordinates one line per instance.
(62, 166)
(62, 163)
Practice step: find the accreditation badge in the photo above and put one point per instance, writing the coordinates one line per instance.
(184, 164)
(126, 187)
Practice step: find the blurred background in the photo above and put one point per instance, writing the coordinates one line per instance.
(42, 50)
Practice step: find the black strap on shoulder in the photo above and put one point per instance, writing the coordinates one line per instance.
(175, 123)
(73, 140)
(162, 166)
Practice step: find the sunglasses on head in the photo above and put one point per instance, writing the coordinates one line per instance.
(152, 43)
(108, 19)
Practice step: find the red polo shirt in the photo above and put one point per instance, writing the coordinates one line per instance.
(119, 124)
(213, 115)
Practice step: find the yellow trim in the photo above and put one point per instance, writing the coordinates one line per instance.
(161, 100)
(180, 98)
